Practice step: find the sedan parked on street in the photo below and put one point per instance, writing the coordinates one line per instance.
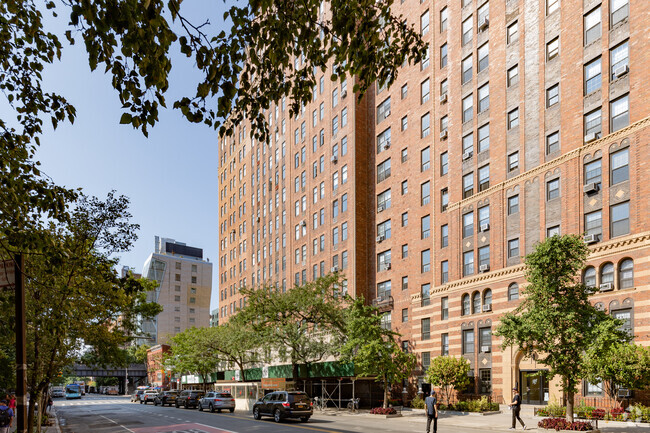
(148, 396)
(189, 398)
(284, 404)
(217, 401)
(165, 397)
(136, 396)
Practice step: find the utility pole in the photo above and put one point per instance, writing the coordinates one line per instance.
(21, 350)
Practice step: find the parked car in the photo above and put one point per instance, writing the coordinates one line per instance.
(165, 397)
(284, 404)
(148, 396)
(189, 398)
(57, 392)
(217, 401)
(136, 396)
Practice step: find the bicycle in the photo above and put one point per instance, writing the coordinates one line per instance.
(353, 406)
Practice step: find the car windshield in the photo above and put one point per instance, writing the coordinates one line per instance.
(224, 395)
(299, 398)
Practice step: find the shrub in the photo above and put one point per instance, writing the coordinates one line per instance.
(417, 403)
(584, 411)
(617, 413)
(556, 411)
(598, 414)
(383, 411)
(462, 406)
(558, 424)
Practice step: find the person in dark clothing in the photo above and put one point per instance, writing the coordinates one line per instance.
(515, 406)
(431, 404)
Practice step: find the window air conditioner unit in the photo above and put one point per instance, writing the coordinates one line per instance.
(590, 188)
(624, 393)
(258, 219)
(486, 349)
(387, 145)
(381, 208)
(380, 238)
(444, 134)
(483, 24)
(335, 159)
(484, 268)
(621, 70)
(591, 137)
(344, 94)
(606, 287)
(443, 98)
(386, 113)
(590, 239)
(487, 307)
(385, 267)
(303, 223)
(467, 155)
(485, 227)
(334, 269)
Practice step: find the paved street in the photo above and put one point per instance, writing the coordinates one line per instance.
(98, 414)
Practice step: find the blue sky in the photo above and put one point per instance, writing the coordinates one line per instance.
(170, 177)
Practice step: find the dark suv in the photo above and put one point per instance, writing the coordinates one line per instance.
(189, 398)
(284, 404)
(165, 397)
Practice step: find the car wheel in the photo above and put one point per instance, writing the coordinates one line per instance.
(232, 409)
(211, 409)
(304, 418)
(277, 416)
(256, 413)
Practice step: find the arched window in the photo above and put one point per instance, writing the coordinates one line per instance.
(487, 297)
(466, 310)
(476, 302)
(589, 278)
(607, 274)
(513, 292)
(626, 274)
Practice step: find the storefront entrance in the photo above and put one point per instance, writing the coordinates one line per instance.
(534, 387)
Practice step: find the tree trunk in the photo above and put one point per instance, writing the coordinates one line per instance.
(569, 406)
(385, 393)
(296, 372)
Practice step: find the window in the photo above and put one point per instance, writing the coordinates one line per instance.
(484, 256)
(444, 199)
(552, 231)
(476, 303)
(552, 189)
(405, 187)
(444, 308)
(468, 26)
(618, 59)
(383, 290)
(552, 6)
(466, 306)
(344, 231)
(483, 15)
(444, 272)
(485, 377)
(425, 61)
(593, 123)
(468, 185)
(383, 170)
(485, 339)
(405, 91)
(468, 224)
(405, 251)
(425, 297)
(426, 328)
(483, 57)
(589, 277)
(483, 217)
(552, 49)
(468, 263)
(552, 95)
(513, 118)
(383, 229)
(592, 26)
(513, 33)
(466, 67)
(404, 123)
(592, 76)
(619, 219)
(405, 315)
(384, 260)
(626, 317)
(443, 55)
(405, 283)
(444, 344)
(619, 11)
(468, 108)
(484, 97)
(424, 91)
(444, 235)
(425, 260)
(592, 389)
(443, 87)
(513, 76)
(513, 161)
(619, 113)
(426, 360)
(444, 123)
(593, 223)
(444, 18)
(424, 23)
(513, 248)
(607, 273)
(626, 274)
(444, 163)
(553, 143)
(383, 141)
(405, 219)
(425, 226)
(425, 159)
(483, 138)
(468, 341)
(513, 292)
(383, 110)
(425, 193)
(425, 125)
(335, 97)
(619, 166)
(484, 177)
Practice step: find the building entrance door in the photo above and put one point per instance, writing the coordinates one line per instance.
(534, 387)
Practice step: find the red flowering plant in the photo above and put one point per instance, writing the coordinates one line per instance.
(558, 424)
(383, 411)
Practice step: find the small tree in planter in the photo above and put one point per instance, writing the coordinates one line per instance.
(448, 373)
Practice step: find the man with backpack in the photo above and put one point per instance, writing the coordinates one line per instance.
(6, 416)
(431, 405)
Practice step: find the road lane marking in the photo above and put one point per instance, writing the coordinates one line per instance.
(115, 422)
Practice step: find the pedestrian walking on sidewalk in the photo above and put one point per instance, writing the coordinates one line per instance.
(6, 416)
(431, 404)
(515, 406)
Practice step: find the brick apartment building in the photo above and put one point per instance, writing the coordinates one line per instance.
(528, 118)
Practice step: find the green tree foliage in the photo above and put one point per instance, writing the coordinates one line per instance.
(302, 325)
(373, 349)
(555, 321)
(74, 297)
(190, 354)
(448, 373)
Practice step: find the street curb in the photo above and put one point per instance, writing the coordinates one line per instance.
(56, 427)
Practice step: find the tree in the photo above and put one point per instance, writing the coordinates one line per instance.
(448, 373)
(374, 349)
(302, 325)
(190, 354)
(74, 298)
(555, 321)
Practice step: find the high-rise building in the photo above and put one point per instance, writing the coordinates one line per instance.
(184, 288)
(527, 119)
